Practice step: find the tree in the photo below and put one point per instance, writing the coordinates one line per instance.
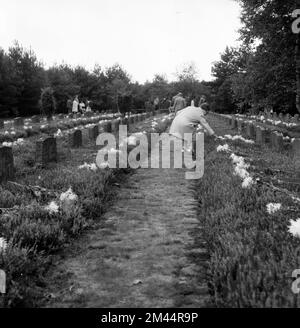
(267, 29)
(29, 79)
(61, 80)
(47, 102)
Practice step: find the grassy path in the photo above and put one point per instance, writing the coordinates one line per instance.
(142, 254)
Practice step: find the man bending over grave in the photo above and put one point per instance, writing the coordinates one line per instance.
(187, 120)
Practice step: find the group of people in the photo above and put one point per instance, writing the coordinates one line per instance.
(77, 106)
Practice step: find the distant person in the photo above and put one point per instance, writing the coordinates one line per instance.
(88, 106)
(179, 103)
(75, 105)
(69, 106)
(156, 103)
(82, 107)
(202, 101)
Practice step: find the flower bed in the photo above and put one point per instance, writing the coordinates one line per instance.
(251, 229)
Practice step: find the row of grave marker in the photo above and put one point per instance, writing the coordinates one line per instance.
(281, 117)
(264, 136)
(46, 148)
(19, 121)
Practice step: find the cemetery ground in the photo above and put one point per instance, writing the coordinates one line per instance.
(171, 242)
(152, 238)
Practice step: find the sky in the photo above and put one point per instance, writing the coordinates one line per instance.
(146, 37)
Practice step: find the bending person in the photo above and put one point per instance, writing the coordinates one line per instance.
(186, 121)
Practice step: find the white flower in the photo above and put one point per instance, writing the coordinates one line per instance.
(223, 148)
(247, 182)
(93, 167)
(52, 208)
(294, 228)
(241, 172)
(68, 196)
(7, 144)
(114, 151)
(273, 207)
(236, 159)
(131, 141)
(3, 245)
(58, 133)
(104, 165)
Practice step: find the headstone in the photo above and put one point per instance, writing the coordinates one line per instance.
(261, 135)
(115, 125)
(250, 130)
(296, 119)
(240, 126)
(35, 119)
(93, 132)
(124, 121)
(18, 121)
(75, 139)
(107, 126)
(287, 118)
(1, 124)
(49, 119)
(234, 123)
(46, 150)
(61, 116)
(277, 141)
(2, 282)
(280, 116)
(7, 171)
(131, 119)
(296, 151)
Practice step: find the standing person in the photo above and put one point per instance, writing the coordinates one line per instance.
(156, 103)
(82, 106)
(88, 106)
(69, 106)
(179, 103)
(75, 105)
(202, 101)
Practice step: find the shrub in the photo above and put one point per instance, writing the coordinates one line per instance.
(47, 102)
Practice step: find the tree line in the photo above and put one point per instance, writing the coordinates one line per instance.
(262, 72)
(23, 78)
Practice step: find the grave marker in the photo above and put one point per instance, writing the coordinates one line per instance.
(93, 132)
(75, 139)
(18, 121)
(7, 171)
(46, 150)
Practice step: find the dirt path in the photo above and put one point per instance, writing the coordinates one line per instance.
(145, 252)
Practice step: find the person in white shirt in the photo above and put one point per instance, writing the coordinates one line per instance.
(186, 120)
(75, 105)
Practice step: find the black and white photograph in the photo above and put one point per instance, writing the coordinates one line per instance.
(149, 158)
